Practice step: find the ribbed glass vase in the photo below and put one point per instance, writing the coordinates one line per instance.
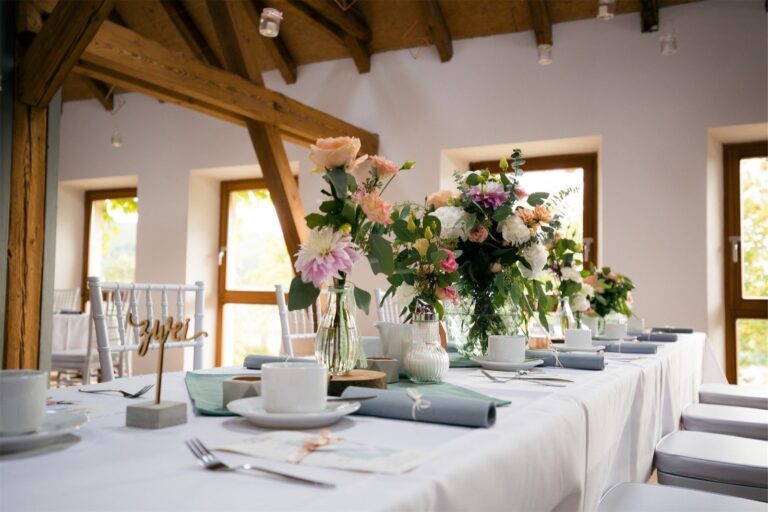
(337, 344)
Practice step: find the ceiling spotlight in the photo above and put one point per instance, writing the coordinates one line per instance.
(269, 24)
(605, 9)
(117, 140)
(668, 44)
(545, 54)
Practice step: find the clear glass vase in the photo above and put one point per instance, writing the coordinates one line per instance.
(565, 318)
(337, 344)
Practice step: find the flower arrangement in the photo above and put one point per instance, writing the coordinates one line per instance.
(612, 292)
(351, 223)
(423, 268)
(499, 233)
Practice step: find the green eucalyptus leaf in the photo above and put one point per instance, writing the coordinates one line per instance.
(339, 181)
(315, 220)
(537, 198)
(502, 213)
(362, 299)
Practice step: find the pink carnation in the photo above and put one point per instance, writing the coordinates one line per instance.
(449, 263)
(384, 167)
(478, 235)
(375, 208)
(447, 293)
(440, 199)
(326, 253)
(333, 152)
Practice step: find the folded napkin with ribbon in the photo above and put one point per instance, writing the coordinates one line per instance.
(418, 404)
(254, 361)
(456, 360)
(206, 390)
(673, 330)
(573, 360)
(630, 347)
(658, 336)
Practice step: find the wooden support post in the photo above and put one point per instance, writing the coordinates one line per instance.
(56, 49)
(438, 29)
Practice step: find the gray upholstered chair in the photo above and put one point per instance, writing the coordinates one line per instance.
(727, 419)
(755, 397)
(736, 466)
(636, 497)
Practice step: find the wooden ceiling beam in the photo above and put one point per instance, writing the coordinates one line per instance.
(542, 24)
(275, 46)
(649, 15)
(357, 49)
(101, 92)
(438, 29)
(56, 49)
(139, 63)
(265, 138)
(350, 21)
(189, 31)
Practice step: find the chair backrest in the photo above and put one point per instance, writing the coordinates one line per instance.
(388, 310)
(297, 325)
(66, 300)
(111, 303)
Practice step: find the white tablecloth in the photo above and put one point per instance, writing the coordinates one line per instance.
(551, 449)
(70, 332)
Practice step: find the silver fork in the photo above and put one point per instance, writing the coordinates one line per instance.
(503, 381)
(212, 463)
(124, 393)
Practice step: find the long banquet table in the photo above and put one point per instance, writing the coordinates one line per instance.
(551, 449)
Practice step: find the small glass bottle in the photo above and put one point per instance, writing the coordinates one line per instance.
(269, 24)
(426, 361)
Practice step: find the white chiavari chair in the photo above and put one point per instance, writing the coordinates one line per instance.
(388, 311)
(112, 302)
(299, 328)
(66, 300)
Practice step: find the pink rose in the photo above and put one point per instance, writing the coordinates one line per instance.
(520, 192)
(478, 235)
(440, 199)
(447, 293)
(449, 263)
(375, 208)
(495, 267)
(335, 151)
(384, 167)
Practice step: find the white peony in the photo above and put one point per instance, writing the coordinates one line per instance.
(536, 256)
(514, 230)
(405, 294)
(587, 290)
(570, 273)
(453, 222)
(580, 302)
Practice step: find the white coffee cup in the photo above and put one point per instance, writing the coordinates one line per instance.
(616, 331)
(593, 323)
(510, 349)
(578, 338)
(294, 387)
(22, 400)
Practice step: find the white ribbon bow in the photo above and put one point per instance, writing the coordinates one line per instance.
(419, 403)
(558, 364)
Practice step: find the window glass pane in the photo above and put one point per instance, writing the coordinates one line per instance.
(754, 227)
(249, 329)
(257, 258)
(554, 181)
(752, 346)
(112, 239)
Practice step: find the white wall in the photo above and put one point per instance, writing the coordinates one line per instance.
(651, 114)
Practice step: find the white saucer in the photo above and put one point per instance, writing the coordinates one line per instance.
(253, 410)
(56, 424)
(506, 366)
(606, 338)
(593, 348)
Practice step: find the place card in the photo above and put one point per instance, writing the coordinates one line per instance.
(339, 454)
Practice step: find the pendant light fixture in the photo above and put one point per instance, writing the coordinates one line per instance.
(605, 9)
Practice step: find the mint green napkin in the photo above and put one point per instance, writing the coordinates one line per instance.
(446, 389)
(459, 361)
(207, 393)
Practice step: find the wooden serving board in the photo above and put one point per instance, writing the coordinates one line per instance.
(362, 378)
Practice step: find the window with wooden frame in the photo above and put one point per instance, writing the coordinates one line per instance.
(559, 172)
(253, 258)
(745, 185)
(109, 236)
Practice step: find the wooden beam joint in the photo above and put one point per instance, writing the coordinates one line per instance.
(438, 29)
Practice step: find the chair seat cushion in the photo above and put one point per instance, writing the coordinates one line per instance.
(636, 497)
(714, 457)
(737, 396)
(726, 419)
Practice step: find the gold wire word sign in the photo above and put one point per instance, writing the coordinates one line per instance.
(160, 332)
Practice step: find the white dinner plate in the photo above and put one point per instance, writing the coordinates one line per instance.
(253, 410)
(56, 423)
(593, 348)
(506, 366)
